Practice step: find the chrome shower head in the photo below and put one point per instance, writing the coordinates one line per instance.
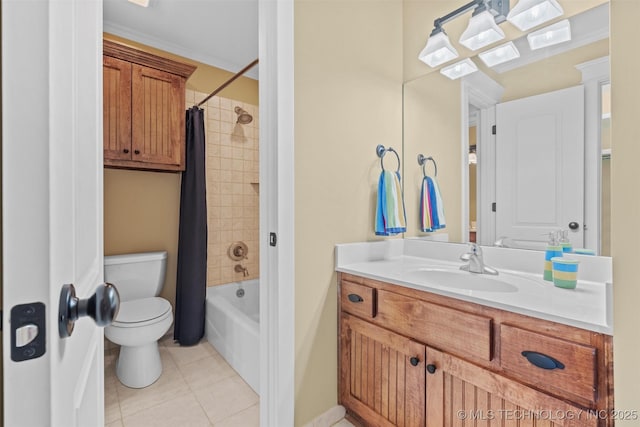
(243, 117)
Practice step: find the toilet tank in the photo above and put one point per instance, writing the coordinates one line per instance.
(136, 276)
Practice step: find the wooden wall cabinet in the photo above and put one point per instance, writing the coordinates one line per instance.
(143, 116)
(412, 358)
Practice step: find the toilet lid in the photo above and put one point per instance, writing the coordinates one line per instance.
(142, 310)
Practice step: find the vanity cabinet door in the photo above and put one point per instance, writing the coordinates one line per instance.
(460, 393)
(382, 375)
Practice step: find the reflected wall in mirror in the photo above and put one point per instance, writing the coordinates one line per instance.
(524, 167)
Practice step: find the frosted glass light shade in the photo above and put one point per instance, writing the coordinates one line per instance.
(481, 31)
(459, 69)
(500, 54)
(527, 14)
(143, 3)
(438, 50)
(548, 36)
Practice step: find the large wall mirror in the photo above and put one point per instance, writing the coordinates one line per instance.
(522, 148)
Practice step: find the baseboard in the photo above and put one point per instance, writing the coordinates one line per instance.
(328, 418)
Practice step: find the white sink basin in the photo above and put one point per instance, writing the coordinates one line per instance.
(458, 279)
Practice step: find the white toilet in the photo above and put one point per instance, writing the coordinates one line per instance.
(143, 317)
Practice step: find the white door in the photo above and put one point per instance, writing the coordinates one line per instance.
(540, 168)
(52, 205)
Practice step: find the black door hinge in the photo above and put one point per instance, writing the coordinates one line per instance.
(273, 239)
(493, 207)
(493, 130)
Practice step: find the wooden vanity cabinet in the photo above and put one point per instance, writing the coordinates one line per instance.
(143, 116)
(413, 358)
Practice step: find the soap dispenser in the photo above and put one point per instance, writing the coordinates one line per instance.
(564, 241)
(553, 250)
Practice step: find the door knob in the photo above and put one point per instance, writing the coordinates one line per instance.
(574, 225)
(102, 307)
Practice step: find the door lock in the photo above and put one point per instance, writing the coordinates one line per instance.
(28, 332)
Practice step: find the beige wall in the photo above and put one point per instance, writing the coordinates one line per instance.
(625, 202)
(547, 75)
(432, 127)
(348, 99)
(141, 212)
(142, 208)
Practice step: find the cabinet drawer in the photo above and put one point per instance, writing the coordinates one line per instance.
(564, 365)
(358, 299)
(444, 328)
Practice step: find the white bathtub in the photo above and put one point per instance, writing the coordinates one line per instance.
(233, 328)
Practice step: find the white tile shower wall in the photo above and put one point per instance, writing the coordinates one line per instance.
(232, 186)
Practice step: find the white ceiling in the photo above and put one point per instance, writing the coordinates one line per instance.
(220, 33)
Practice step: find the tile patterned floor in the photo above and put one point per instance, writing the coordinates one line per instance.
(197, 388)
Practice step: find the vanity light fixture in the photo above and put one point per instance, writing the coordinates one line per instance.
(548, 36)
(143, 3)
(527, 14)
(438, 49)
(459, 69)
(482, 30)
(499, 54)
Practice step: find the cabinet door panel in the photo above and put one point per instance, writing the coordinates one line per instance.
(158, 119)
(116, 82)
(379, 383)
(460, 393)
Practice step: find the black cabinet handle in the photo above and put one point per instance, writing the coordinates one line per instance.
(414, 361)
(136, 151)
(355, 298)
(542, 360)
(431, 368)
(125, 151)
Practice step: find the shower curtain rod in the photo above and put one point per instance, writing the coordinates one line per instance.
(228, 82)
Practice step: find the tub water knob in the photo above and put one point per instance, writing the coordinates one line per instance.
(238, 251)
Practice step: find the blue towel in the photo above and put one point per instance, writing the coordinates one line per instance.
(431, 206)
(390, 214)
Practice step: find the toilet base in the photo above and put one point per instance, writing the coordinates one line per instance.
(140, 366)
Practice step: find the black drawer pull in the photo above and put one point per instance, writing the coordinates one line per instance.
(355, 298)
(431, 368)
(414, 361)
(542, 360)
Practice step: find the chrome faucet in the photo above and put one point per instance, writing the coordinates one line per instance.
(475, 261)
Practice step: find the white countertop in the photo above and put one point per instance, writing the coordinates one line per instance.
(396, 261)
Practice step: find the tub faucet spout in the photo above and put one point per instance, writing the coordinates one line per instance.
(240, 269)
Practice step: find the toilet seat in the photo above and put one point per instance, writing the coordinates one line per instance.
(141, 312)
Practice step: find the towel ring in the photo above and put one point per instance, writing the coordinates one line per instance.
(381, 151)
(422, 160)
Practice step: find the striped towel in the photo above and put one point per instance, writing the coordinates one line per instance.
(390, 214)
(431, 206)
